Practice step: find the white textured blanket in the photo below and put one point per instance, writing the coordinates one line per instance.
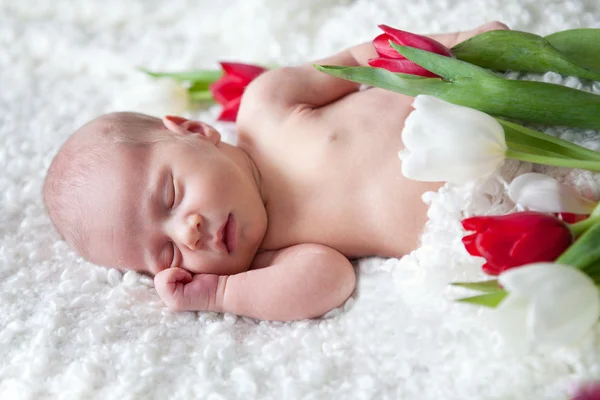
(71, 330)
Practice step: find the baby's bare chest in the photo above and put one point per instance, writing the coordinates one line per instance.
(334, 177)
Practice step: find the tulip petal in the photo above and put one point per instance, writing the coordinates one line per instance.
(470, 244)
(445, 142)
(495, 248)
(566, 315)
(543, 193)
(493, 270)
(157, 97)
(475, 124)
(401, 65)
(404, 38)
(438, 165)
(230, 110)
(564, 303)
(227, 88)
(525, 280)
(571, 218)
(510, 319)
(475, 223)
(435, 122)
(383, 48)
(528, 248)
(246, 72)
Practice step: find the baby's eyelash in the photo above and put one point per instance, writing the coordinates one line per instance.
(173, 251)
(173, 193)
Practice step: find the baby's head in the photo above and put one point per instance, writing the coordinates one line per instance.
(136, 192)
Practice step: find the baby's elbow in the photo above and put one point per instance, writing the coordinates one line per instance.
(348, 283)
(342, 280)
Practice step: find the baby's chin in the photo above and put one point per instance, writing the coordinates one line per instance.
(231, 266)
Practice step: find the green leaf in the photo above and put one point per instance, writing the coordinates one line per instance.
(199, 86)
(483, 286)
(544, 144)
(204, 76)
(201, 96)
(581, 46)
(447, 67)
(585, 251)
(504, 50)
(538, 102)
(410, 85)
(489, 299)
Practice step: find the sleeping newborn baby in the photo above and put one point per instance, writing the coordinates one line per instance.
(265, 228)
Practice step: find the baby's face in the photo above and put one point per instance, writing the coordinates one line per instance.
(176, 205)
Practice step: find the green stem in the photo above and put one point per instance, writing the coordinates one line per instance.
(532, 149)
(555, 161)
(187, 76)
(596, 211)
(201, 96)
(584, 253)
(524, 135)
(592, 271)
(579, 227)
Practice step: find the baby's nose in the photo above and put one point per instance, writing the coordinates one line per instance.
(193, 232)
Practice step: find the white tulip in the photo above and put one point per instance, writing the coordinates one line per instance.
(539, 192)
(547, 303)
(156, 97)
(446, 142)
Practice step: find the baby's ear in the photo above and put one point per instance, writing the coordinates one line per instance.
(183, 126)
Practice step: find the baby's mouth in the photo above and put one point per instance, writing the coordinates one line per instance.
(227, 234)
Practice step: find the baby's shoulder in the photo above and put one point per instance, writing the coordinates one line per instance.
(270, 101)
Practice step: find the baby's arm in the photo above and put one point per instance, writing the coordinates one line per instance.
(284, 89)
(299, 282)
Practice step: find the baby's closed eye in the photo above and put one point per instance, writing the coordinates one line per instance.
(170, 193)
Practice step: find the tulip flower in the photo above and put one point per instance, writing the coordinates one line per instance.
(201, 86)
(512, 240)
(446, 142)
(469, 85)
(589, 391)
(547, 303)
(228, 89)
(159, 97)
(540, 192)
(393, 61)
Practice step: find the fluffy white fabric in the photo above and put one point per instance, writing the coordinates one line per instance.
(72, 330)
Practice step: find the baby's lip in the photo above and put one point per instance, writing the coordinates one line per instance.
(221, 237)
(230, 234)
(226, 235)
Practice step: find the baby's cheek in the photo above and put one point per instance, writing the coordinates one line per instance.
(204, 263)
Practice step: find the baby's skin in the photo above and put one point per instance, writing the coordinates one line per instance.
(265, 228)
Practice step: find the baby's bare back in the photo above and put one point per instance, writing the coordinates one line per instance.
(332, 176)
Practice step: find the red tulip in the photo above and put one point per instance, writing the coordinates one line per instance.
(228, 89)
(590, 391)
(393, 61)
(571, 218)
(513, 240)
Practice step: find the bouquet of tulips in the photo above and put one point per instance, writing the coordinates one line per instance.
(546, 259)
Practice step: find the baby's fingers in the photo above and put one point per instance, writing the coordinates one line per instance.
(492, 26)
(170, 286)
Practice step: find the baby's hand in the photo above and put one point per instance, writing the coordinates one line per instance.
(182, 291)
